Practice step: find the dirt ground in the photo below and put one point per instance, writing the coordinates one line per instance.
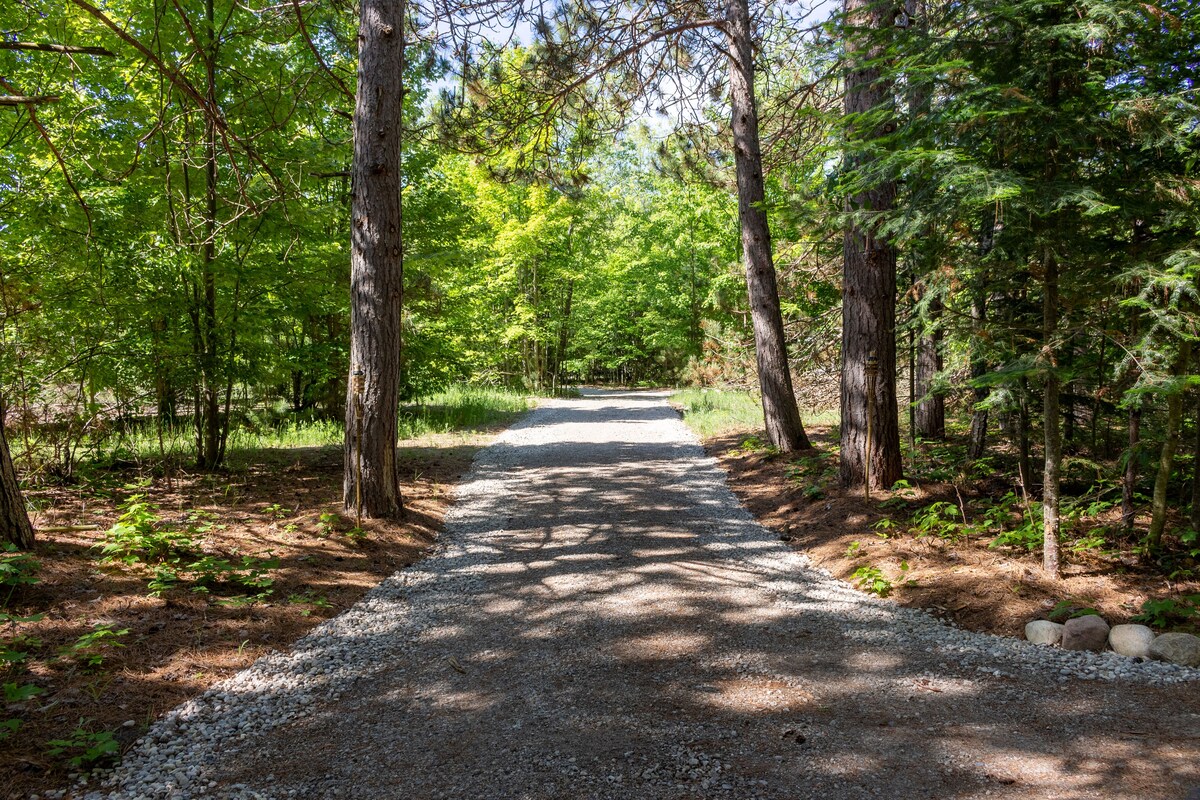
(287, 505)
(978, 587)
(605, 624)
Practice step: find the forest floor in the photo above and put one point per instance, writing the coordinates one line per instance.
(951, 573)
(284, 504)
(601, 619)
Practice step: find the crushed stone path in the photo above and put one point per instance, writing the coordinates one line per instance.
(602, 619)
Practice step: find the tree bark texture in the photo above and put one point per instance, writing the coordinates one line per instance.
(784, 428)
(1051, 422)
(1024, 462)
(1166, 459)
(1130, 476)
(14, 519)
(376, 265)
(1194, 512)
(868, 291)
(931, 407)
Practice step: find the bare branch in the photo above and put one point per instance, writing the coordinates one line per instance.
(317, 53)
(24, 100)
(46, 47)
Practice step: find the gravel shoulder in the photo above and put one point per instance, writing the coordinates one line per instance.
(603, 619)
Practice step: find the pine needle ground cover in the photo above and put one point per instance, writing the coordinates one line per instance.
(149, 584)
(954, 537)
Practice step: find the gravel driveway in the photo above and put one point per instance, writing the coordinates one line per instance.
(602, 619)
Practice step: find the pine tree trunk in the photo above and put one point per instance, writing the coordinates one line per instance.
(1129, 478)
(376, 264)
(1194, 518)
(1024, 463)
(1166, 460)
(977, 439)
(1099, 391)
(1051, 421)
(1068, 396)
(14, 519)
(931, 408)
(780, 412)
(868, 290)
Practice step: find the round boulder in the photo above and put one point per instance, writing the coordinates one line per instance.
(1177, 648)
(1043, 631)
(1085, 633)
(1131, 640)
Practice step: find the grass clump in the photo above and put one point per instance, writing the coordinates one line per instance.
(711, 412)
(461, 408)
(457, 408)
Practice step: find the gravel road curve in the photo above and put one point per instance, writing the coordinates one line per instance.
(602, 619)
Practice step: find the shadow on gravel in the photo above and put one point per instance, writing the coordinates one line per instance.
(638, 636)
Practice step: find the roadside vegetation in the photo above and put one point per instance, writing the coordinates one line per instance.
(955, 535)
(961, 270)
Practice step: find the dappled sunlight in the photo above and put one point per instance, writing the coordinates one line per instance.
(596, 605)
(660, 646)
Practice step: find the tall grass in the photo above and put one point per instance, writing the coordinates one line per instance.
(461, 408)
(456, 409)
(711, 412)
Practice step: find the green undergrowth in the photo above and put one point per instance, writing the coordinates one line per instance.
(711, 412)
(455, 409)
(461, 408)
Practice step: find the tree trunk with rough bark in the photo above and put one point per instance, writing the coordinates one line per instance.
(14, 519)
(1129, 478)
(868, 289)
(780, 412)
(977, 439)
(376, 265)
(931, 407)
(1194, 515)
(1166, 459)
(1024, 462)
(1051, 421)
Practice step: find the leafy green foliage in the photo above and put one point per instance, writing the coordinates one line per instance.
(19, 693)
(310, 598)
(940, 519)
(90, 648)
(13, 647)
(85, 749)
(209, 572)
(1167, 612)
(1071, 609)
(16, 569)
(872, 579)
(139, 536)
(815, 473)
(327, 523)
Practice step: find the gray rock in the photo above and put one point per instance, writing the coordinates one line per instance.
(1131, 640)
(1043, 631)
(1085, 633)
(1177, 648)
